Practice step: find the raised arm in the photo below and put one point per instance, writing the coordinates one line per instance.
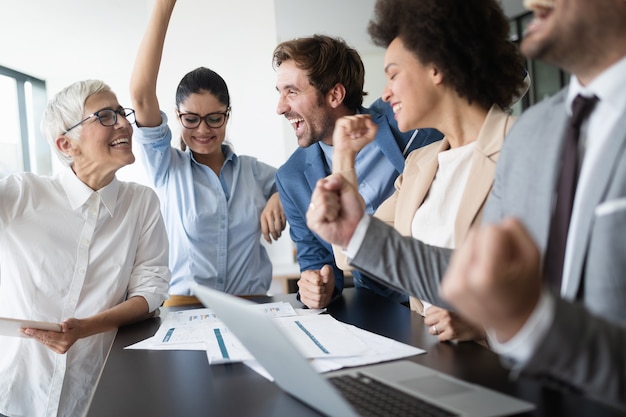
(351, 134)
(143, 79)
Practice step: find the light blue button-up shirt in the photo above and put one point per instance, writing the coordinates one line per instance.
(213, 222)
(373, 170)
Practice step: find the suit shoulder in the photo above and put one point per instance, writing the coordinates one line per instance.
(296, 161)
(542, 109)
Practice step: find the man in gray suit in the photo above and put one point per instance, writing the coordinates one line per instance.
(578, 338)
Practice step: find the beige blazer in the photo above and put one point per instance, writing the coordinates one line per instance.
(419, 172)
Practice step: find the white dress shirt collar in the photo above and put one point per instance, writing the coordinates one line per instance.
(609, 87)
(79, 193)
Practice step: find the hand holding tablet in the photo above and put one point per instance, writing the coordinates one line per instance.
(11, 327)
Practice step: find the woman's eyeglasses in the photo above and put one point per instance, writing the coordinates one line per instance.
(213, 120)
(108, 117)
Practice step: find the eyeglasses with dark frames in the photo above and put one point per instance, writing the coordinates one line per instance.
(108, 117)
(213, 120)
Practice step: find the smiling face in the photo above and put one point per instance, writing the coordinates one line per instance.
(569, 33)
(100, 150)
(301, 104)
(203, 140)
(543, 31)
(412, 88)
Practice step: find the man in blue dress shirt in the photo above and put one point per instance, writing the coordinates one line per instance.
(319, 80)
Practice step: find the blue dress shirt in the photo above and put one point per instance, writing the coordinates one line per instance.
(377, 165)
(213, 222)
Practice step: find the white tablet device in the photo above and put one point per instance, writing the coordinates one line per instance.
(11, 327)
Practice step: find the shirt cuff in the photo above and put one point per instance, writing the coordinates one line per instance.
(357, 237)
(521, 347)
(152, 134)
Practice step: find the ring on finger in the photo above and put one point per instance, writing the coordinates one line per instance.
(435, 330)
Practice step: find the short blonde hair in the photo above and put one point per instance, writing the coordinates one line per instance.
(66, 109)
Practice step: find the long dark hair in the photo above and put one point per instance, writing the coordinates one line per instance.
(198, 80)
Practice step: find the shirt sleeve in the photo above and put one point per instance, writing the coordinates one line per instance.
(310, 251)
(10, 194)
(266, 175)
(521, 347)
(155, 149)
(150, 276)
(357, 238)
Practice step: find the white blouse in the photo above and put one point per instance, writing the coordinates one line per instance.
(434, 220)
(68, 251)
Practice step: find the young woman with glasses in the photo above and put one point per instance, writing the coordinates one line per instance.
(216, 204)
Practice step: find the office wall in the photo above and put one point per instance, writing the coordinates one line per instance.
(63, 41)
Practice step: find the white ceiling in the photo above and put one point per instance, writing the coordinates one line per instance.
(347, 19)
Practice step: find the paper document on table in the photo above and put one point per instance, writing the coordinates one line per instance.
(192, 329)
(379, 349)
(315, 337)
(321, 336)
(329, 343)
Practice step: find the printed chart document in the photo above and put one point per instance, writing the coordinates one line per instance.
(379, 349)
(327, 342)
(317, 336)
(12, 326)
(193, 329)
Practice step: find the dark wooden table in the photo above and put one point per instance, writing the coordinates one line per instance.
(181, 383)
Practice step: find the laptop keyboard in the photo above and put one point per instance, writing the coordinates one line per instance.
(373, 398)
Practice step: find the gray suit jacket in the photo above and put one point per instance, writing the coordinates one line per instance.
(586, 345)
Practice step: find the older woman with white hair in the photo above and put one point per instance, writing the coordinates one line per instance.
(81, 249)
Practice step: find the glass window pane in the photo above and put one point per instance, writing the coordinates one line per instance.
(547, 80)
(10, 140)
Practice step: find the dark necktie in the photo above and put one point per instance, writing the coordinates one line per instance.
(566, 189)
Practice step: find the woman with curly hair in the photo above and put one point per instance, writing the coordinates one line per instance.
(449, 66)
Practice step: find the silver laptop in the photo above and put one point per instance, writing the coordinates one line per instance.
(292, 372)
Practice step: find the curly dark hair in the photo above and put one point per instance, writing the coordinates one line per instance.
(467, 40)
(327, 61)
